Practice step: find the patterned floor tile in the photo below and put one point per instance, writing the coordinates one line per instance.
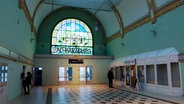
(100, 95)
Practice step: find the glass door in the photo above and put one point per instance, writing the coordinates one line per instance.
(89, 75)
(65, 75)
(85, 75)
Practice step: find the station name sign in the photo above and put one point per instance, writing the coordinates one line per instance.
(70, 50)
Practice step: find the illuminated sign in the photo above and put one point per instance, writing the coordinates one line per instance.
(71, 50)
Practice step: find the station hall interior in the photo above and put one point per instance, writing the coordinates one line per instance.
(70, 45)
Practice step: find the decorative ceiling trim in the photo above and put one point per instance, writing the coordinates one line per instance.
(161, 11)
(22, 5)
(171, 6)
(36, 9)
(114, 36)
(151, 6)
(120, 21)
(51, 3)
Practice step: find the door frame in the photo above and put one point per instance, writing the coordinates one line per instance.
(65, 80)
(86, 76)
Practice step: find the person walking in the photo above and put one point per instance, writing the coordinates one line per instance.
(110, 78)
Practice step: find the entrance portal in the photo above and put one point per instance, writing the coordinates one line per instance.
(65, 75)
(85, 75)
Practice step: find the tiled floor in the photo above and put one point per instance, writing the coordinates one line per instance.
(88, 94)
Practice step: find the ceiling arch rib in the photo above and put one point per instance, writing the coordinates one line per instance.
(152, 10)
(90, 5)
(22, 4)
(34, 13)
(102, 6)
(119, 18)
(120, 21)
(161, 7)
(158, 7)
(117, 15)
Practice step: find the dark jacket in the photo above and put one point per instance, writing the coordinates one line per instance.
(28, 78)
(110, 75)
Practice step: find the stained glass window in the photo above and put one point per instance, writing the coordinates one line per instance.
(72, 37)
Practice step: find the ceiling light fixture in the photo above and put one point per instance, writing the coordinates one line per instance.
(96, 26)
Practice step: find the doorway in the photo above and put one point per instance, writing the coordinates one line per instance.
(38, 76)
(128, 76)
(133, 76)
(65, 75)
(86, 75)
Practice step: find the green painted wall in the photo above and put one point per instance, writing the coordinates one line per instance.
(15, 34)
(50, 69)
(46, 27)
(169, 33)
(15, 31)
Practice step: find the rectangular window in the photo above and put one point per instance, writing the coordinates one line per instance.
(175, 74)
(117, 71)
(140, 73)
(150, 74)
(162, 76)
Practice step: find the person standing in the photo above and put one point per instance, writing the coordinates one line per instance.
(110, 78)
(28, 82)
(141, 79)
(23, 79)
(122, 78)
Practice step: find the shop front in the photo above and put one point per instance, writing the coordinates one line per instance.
(160, 71)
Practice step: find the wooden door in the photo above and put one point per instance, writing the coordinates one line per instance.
(133, 76)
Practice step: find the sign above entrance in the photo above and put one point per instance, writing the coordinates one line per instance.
(130, 62)
(75, 61)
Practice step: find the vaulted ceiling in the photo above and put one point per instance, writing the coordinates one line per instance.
(124, 15)
(91, 5)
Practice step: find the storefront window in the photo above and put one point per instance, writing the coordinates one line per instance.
(175, 74)
(162, 76)
(150, 74)
(117, 73)
(140, 73)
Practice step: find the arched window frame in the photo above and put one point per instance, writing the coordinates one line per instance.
(72, 37)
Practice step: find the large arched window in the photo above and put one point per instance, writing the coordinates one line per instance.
(72, 37)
